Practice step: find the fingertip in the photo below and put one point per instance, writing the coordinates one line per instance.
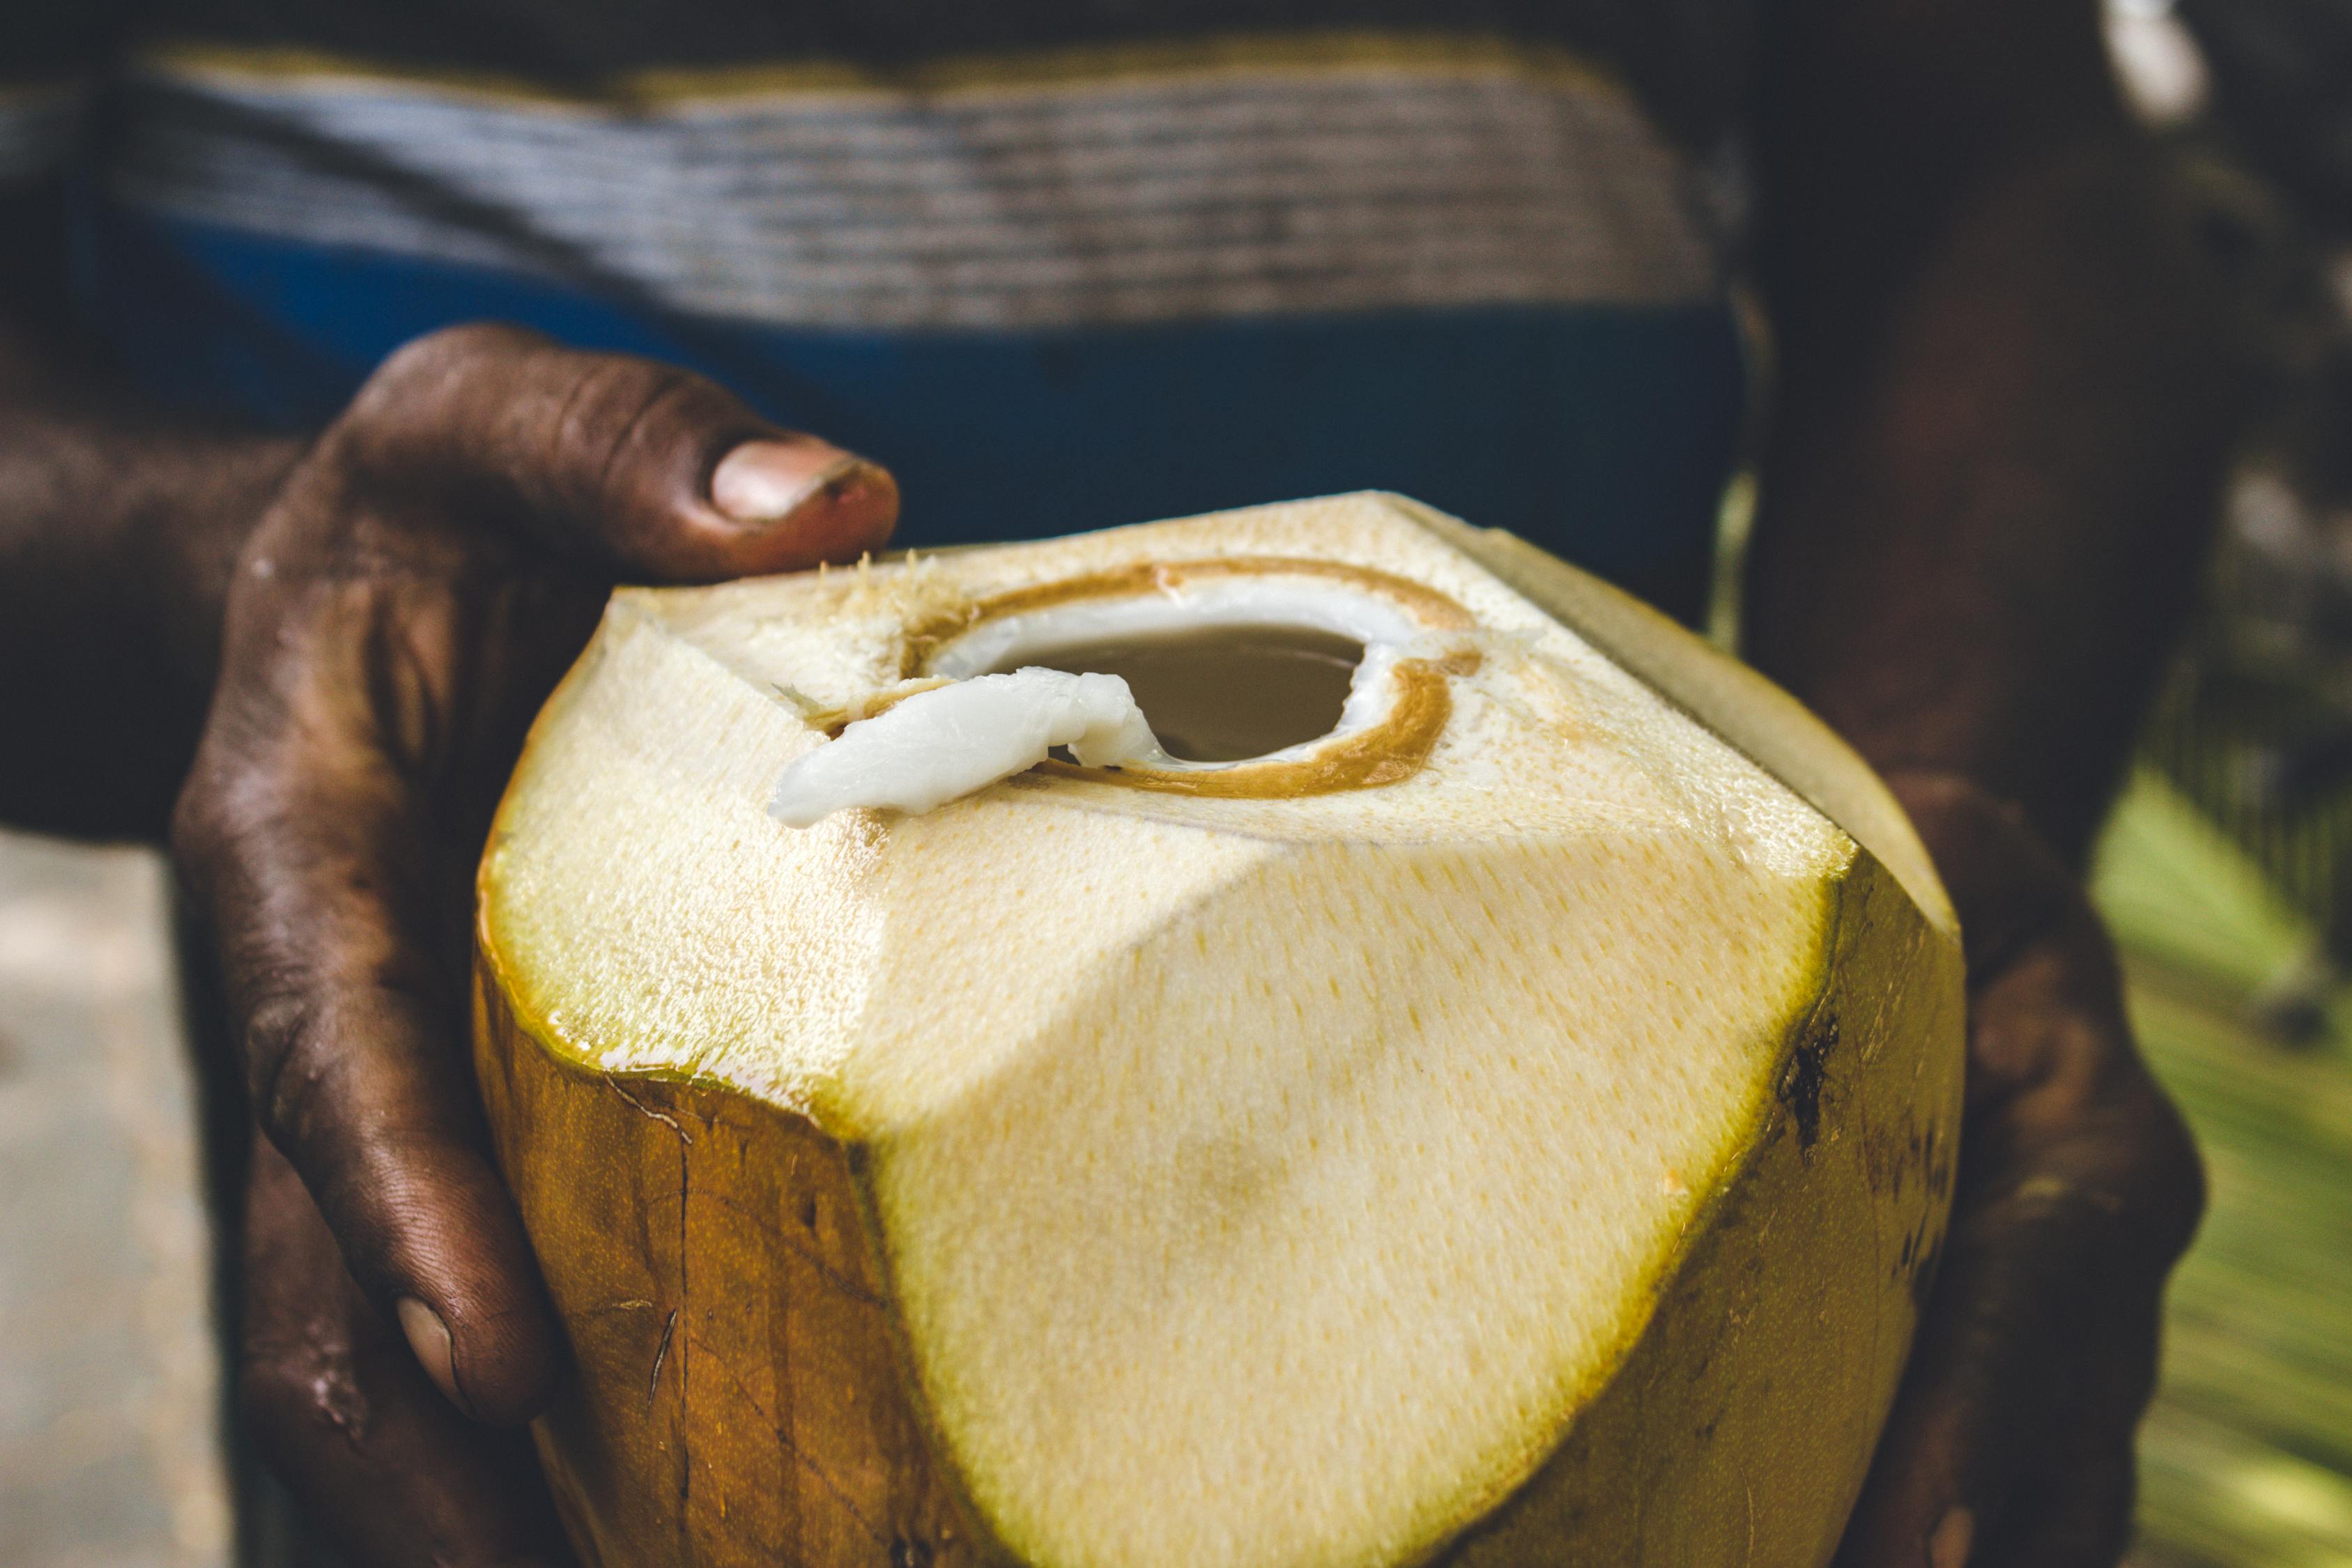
(862, 503)
(507, 1389)
(762, 482)
(855, 517)
(503, 1371)
(430, 1341)
(795, 503)
(433, 1238)
(1954, 1537)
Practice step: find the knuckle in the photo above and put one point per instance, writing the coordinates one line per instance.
(614, 406)
(578, 445)
(440, 356)
(227, 844)
(236, 779)
(346, 1082)
(290, 1393)
(287, 1060)
(392, 425)
(195, 826)
(218, 836)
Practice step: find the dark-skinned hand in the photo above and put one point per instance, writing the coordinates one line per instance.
(2012, 1441)
(420, 581)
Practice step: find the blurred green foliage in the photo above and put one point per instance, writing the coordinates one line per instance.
(2247, 1458)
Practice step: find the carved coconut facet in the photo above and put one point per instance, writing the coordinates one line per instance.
(1505, 1123)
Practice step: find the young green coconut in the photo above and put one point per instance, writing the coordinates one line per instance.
(1314, 1036)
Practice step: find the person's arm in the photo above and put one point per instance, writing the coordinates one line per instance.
(118, 525)
(2006, 396)
(2005, 403)
(315, 658)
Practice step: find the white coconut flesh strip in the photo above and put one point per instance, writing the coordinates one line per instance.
(986, 724)
(939, 745)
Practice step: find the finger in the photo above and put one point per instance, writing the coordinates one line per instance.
(324, 883)
(1989, 1381)
(2079, 1189)
(2039, 1342)
(2079, 1515)
(656, 471)
(379, 1460)
(2009, 887)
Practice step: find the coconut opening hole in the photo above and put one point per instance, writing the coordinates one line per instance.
(1220, 693)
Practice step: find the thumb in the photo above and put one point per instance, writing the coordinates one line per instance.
(655, 472)
(2012, 1441)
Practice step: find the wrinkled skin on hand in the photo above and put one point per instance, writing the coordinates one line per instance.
(421, 580)
(2012, 1441)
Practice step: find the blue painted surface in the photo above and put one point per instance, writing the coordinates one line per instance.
(1602, 432)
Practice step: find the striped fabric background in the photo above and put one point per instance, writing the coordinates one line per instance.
(1132, 186)
(1054, 287)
